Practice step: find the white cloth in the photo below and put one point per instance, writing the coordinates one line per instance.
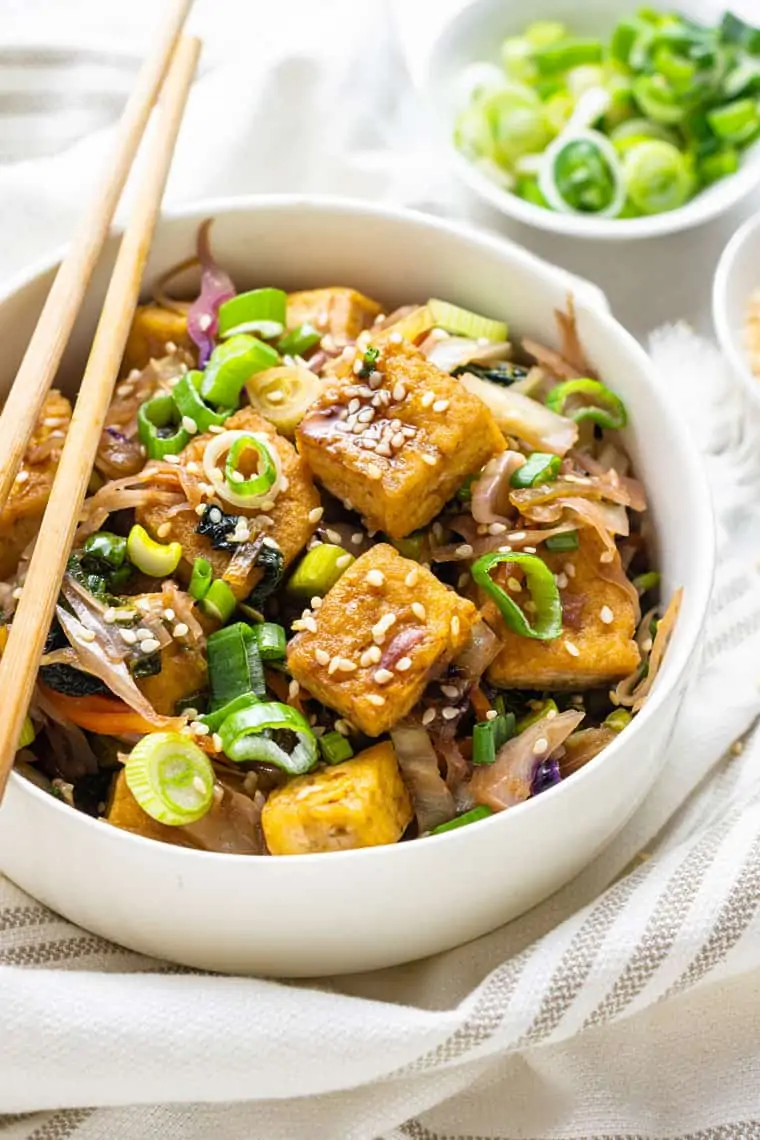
(625, 1006)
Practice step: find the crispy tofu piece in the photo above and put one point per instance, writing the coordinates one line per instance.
(590, 651)
(360, 803)
(384, 630)
(124, 811)
(291, 527)
(183, 674)
(153, 327)
(412, 455)
(20, 520)
(342, 312)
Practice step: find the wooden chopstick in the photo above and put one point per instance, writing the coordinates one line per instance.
(49, 339)
(18, 667)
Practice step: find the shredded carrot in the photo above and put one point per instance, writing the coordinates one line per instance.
(105, 715)
(480, 703)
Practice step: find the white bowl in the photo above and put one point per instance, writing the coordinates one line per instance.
(357, 910)
(736, 278)
(475, 33)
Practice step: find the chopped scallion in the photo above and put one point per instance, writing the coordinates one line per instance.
(566, 541)
(335, 748)
(271, 640)
(480, 812)
(200, 579)
(538, 468)
(318, 571)
(219, 602)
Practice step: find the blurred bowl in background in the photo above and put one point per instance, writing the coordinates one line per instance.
(736, 279)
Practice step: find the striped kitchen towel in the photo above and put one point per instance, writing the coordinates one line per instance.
(624, 1007)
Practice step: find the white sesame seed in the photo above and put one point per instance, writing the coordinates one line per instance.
(395, 338)
(358, 365)
(343, 561)
(518, 536)
(375, 578)
(87, 635)
(322, 656)
(236, 476)
(22, 477)
(143, 604)
(513, 585)
(204, 322)
(189, 425)
(180, 630)
(571, 648)
(267, 541)
(375, 699)
(411, 578)
(561, 580)
(373, 471)
(216, 429)
(403, 664)
(419, 610)
(606, 556)
(383, 449)
(431, 460)
(451, 691)
(496, 528)
(357, 538)
(382, 676)
(149, 645)
(505, 550)
(343, 727)
(316, 602)
(428, 716)
(276, 396)
(491, 714)
(464, 551)
(109, 617)
(309, 623)
(367, 658)
(129, 636)
(449, 713)
(334, 665)
(293, 690)
(529, 550)
(440, 405)
(427, 399)
(550, 714)
(216, 740)
(199, 729)
(482, 528)
(606, 615)
(646, 645)
(142, 633)
(164, 529)
(540, 746)
(399, 392)
(454, 626)
(200, 509)
(569, 569)
(315, 514)
(398, 440)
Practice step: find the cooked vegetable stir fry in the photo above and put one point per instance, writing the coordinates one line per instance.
(632, 125)
(342, 578)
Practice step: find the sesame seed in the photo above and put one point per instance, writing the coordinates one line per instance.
(309, 623)
(375, 578)
(569, 569)
(419, 610)
(505, 550)
(646, 645)
(428, 716)
(236, 476)
(343, 561)
(216, 429)
(450, 691)
(450, 714)
(606, 615)
(171, 459)
(496, 528)
(403, 664)
(398, 440)
(561, 580)
(200, 509)
(180, 630)
(395, 338)
(129, 636)
(353, 406)
(464, 551)
(399, 392)
(164, 529)
(411, 578)
(551, 713)
(482, 528)
(189, 425)
(22, 477)
(142, 633)
(142, 604)
(571, 648)
(513, 585)
(375, 699)
(87, 635)
(613, 697)
(357, 538)
(529, 549)
(293, 690)
(334, 665)
(440, 405)
(454, 626)
(149, 645)
(316, 602)
(322, 656)
(216, 740)
(358, 365)
(374, 472)
(125, 389)
(383, 449)
(518, 536)
(204, 321)
(375, 380)
(606, 556)
(267, 541)
(200, 729)
(382, 676)
(109, 617)
(427, 399)
(366, 415)
(315, 514)
(343, 727)
(540, 746)
(276, 396)
(491, 714)
(367, 658)
(431, 460)
(333, 537)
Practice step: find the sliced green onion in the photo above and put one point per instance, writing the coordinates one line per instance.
(171, 778)
(623, 38)
(604, 407)
(538, 468)
(657, 99)
(261, 311)
(490, 736)
(200, 579)
(192, 406)
(299, 340)
(736, 122)
(566, 541)
(271, 733)
(567, 53)
(516, 124)
(713, 167)
(658, 176)
(335, 748)
(234, 664)
(263, 481)
(27, 734)
(481, 812)
(618, 720)
(581, 174)
(544, 709)
(413, 546)
(318, 571)
(543, 33)
(214, 720)
(647, 581)
(517, 59)
(157, 559)
(542, 588)
(271, 640)
(219, 602)
(231, 365)
(159, 429)
(734, 30)
(461, 322)
(106, 547)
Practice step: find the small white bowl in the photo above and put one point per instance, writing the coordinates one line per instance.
(475, 33)
(736, 278)
(358, 910)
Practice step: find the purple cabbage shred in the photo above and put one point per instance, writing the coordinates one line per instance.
(546, 775)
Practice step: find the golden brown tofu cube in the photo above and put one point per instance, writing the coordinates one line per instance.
(291, 528)
(342, 312)
(20, 520)
(153, 327)
(384, 630)
(399, 443)
(596, 646)
(183, 674)
(124, 811)
(360, 803)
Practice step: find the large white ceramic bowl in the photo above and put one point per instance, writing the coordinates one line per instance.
(356, 910)
(475, 33)
(736, 279)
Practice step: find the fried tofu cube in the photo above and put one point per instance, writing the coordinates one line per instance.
(400, 442)
(290, 527)
(384, 630)
(153, 327)
(362, 802)
(183, 674)
(124, 811)
(342, 312)
(21, 517)
(596, 646)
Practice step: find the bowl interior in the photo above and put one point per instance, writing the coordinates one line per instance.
(476, 33)
(737, 278)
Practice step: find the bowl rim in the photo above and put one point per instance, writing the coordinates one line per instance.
(721, 314)
(704, 535)
(706, 205)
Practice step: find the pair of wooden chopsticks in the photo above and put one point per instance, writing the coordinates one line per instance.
(167, 71)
